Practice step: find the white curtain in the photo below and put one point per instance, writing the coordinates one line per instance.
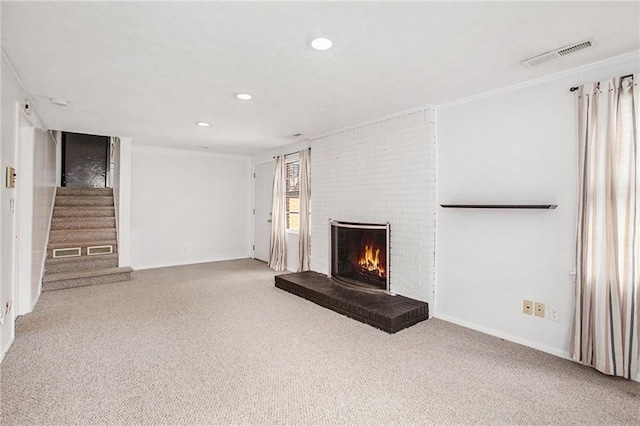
(277, 249)
(305, 194)
(606, 320)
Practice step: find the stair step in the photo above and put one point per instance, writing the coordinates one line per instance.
(88, 211)
(71, 236)
(83, 223)
(82, 218)
(82, 263)
(83, 200)
(83, 245)
(65, 190)
(65, 280)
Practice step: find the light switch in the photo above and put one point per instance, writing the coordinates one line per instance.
(11, 177)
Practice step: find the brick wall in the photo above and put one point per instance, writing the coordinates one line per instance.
(376, 173)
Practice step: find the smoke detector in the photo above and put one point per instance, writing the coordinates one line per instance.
(557, 53)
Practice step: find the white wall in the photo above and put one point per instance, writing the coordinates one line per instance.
(517, 146)
(35, 180)
(44, 189)
(11, 95)
(115, 178)
(57, 136)
(377, 173)
(122, 198)
(24, 293)
(188, 207)
(292, 254)
(36, 192)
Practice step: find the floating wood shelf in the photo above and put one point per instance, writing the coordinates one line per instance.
(500, 206)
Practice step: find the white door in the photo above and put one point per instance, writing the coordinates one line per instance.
(263, 185)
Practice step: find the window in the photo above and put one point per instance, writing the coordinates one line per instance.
(292, 194)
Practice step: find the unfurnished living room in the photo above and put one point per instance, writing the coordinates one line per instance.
(320, 213)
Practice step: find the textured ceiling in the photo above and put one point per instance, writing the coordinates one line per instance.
(151, 70)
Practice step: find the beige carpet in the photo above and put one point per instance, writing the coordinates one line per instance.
(217, 343)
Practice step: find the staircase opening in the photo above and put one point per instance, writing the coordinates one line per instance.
(85, 160)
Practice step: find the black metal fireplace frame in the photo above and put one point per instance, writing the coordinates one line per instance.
(356, 225)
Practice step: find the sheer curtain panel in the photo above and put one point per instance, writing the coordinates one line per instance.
(277, 253)
(305, 194)
(605, 328)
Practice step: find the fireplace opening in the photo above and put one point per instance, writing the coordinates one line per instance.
(360, 254)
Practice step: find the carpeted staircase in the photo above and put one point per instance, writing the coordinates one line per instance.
(83, 223)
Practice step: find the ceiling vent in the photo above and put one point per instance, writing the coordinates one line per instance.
(557, 53)
(293, 136)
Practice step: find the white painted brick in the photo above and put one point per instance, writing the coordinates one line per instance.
(381, 172)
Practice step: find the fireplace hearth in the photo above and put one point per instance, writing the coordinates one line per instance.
(357, 284)
(360, 254)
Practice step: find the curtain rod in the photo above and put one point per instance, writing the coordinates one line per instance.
(291, 153)
(573, 89)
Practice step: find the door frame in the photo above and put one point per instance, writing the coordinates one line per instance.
(63, 158)
(23, 216)
(253, 199)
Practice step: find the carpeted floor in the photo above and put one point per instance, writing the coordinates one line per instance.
(217, 343)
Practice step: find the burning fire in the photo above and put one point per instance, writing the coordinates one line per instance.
(370, 262)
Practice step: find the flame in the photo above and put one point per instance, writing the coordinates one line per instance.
(371, 262)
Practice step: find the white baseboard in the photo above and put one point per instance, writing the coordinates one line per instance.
(511, 338)
(6, 349)
(506, 336)
(187, 262)
(35, 300)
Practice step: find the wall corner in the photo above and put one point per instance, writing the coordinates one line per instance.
(124, 204)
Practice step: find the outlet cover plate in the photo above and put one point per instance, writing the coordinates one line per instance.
(539, 309)
(527, 307)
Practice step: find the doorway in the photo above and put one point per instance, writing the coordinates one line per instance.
(85, 160)
(263, 186)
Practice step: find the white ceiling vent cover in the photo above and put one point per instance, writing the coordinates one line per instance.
(557, 53)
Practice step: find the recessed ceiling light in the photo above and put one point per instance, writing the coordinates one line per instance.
(59, 102)
(244, 96)
(203, 124)
(321, 43)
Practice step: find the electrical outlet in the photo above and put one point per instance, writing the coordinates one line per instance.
(539, 309)
(527, 307)
(554, 313)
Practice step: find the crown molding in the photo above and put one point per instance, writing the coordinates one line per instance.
(544, 79)
(189, 151)
(423, 108)
(15, 77)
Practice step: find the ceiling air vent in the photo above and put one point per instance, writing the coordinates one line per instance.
(557, 53)
(293, 136)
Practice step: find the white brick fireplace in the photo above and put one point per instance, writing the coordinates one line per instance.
(377, 173)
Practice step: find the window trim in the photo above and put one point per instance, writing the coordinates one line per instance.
(291, 158)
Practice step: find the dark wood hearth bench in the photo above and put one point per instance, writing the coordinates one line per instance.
(381, 310)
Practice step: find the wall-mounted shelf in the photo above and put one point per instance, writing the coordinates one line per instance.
(500, 206)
